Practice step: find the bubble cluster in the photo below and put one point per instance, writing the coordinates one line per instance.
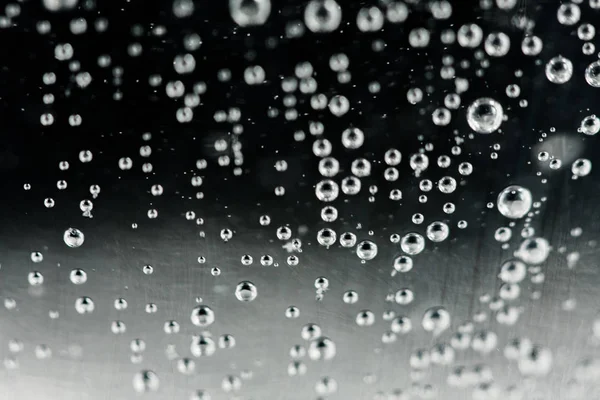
(392, 171)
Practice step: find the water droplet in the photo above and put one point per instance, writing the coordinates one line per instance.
(366, 250)
(35, 278)
(202, 345)
(485, 115)
(202, 316)
(438, 231)
(365, 318)
(145, 381)
(322, 16)
(592, 74)
(533, 250)
(412, 243)
(559, 70)
(84, 305)
(436, 320)
(513, 271)
(78, 276)
(310, 331)
(514, 202)
(73, 237)
(321, 348)
(403, 263)
(246, 291)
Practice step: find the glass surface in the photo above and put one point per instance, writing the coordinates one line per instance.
(260, 199)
